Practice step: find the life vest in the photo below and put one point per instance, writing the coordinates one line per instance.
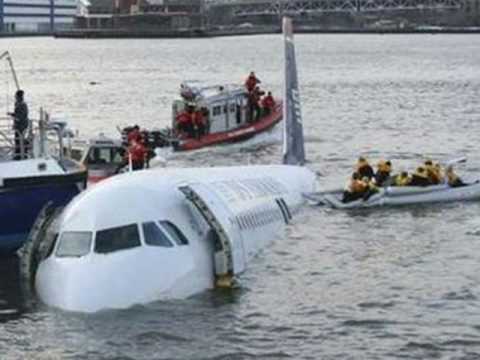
(197, 118)
(402, 180)
(137, 152)
(357, 186)
(268, 102)
(184, 118)
(432, 174)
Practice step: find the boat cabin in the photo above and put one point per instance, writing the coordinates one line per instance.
(101, 155)
(225, 107)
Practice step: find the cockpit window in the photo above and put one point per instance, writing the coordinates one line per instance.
(174, 233)
(118, 238)
(154, 236)
(74, 244)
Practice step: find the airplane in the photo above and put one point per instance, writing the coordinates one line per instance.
(169, 233)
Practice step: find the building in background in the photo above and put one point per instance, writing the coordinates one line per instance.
(37, 16)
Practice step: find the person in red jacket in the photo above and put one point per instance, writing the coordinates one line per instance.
(184, 122)
(199, 123)
(251, 82)
(268, 104)
(138, 154)
(134, 134)
(254, 101)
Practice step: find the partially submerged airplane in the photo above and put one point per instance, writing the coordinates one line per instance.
(171, 233)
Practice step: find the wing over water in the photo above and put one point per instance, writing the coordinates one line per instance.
(293, 144)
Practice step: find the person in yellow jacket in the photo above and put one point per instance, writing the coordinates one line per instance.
(355, 189)
(402, 179)
(432, 172)
(453, 179)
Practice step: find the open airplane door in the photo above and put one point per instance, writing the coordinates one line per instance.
(229, 255)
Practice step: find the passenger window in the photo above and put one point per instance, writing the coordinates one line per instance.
(154, 236)
(119, 238)
(74, 244)
(174, 233)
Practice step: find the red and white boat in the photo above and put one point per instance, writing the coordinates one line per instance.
(226, 113)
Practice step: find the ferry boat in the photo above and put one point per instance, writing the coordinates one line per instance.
(40, 177)
(226, 113)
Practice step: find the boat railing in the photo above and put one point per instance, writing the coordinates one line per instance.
(42, 138)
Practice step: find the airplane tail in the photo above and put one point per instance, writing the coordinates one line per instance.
(293, 143)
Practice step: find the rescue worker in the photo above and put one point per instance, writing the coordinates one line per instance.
(420, 177)
(138, 154)
(198, 123)
(384, 169)
(268, 104)
(134, 134)
(402, 179)
(453, 179)
(364, 169)
(184, 121)
(355, 189)
(432, 173)
(440, 174)
(251, 82)
(254, 98)
(20, 125)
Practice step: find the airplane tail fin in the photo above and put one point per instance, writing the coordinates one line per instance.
(293, 143)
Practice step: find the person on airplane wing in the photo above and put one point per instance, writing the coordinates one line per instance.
(453, 179)
(355, 189)
(420, 177)
(384, 169)
(251, 82)
(268, 104)
(364, 169)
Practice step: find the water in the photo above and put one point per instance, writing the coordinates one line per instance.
(395, 283)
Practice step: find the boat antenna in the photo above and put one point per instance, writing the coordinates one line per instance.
(293, 142)
(7, 56)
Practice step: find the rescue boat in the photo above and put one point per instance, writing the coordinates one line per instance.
(225, 111)
(400, 195)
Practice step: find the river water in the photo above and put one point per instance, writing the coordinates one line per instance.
(375, 284)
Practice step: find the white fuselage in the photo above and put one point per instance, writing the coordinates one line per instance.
(252, 203)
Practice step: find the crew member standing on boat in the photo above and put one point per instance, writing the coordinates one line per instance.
(138, 154)
(198, 123)
(268, 103)
(251, 82)
(20, 124)
(254, 99)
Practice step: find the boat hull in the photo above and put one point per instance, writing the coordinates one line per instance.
(239, 134)
(22, 202)
(399, 196)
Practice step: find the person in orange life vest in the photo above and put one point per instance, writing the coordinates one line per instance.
(198, 122)
(251, 82)
(268, 103)
(184, 121)
(138, 154)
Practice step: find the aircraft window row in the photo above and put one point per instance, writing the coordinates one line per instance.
(79, 243)
(256, 219)
(233, 107)
(118, 238)
(74, 244)
(154, 236)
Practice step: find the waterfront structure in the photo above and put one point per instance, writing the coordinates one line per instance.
(38, 16)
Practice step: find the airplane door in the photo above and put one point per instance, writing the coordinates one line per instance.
(230, 257)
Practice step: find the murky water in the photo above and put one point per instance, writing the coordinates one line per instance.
(395, 283)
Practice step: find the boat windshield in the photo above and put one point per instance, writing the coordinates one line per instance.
(74, 244)
(104, 155)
